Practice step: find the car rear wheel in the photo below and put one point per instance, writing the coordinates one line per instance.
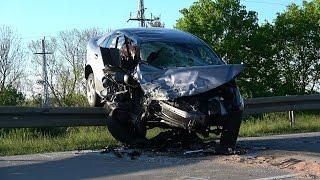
(94, 99)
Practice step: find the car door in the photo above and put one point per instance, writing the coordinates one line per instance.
(109, 55)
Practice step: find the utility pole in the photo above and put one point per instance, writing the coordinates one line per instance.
(140, 15)
(45, 99)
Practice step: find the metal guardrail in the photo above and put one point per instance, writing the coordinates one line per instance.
(282, 104)
(20, 117)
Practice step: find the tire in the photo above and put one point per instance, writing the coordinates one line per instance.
(231, 129)
(121, 128)
(93, 98)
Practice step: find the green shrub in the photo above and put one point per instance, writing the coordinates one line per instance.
(10, 96)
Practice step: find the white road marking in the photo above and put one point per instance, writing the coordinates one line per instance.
(193, 178)
(280, 177)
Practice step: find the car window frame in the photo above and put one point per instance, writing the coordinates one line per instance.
(108, 40)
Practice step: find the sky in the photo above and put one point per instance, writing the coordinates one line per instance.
(33, 19)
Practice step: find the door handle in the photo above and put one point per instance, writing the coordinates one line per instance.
(96, 56)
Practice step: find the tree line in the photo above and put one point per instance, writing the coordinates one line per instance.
(64, 66)
(281, 57)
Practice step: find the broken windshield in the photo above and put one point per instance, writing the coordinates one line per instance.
(170, 54)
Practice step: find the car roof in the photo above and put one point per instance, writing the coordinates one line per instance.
(160, 35)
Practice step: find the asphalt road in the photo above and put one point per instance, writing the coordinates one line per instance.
(276, 157)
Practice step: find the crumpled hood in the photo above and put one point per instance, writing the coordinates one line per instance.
(169, 84)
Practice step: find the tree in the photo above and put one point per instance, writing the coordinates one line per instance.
(224, 24)
(297, 32)
(234, 33)
(11, 58)
(262, 76)
(72, 49)
(280, 58)
(66, 65)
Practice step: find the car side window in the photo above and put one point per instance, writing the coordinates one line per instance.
(104, 42)
(110, 42)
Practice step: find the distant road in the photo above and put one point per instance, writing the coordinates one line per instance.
(275, 157)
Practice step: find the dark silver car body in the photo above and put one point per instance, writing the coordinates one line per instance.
(148, 77)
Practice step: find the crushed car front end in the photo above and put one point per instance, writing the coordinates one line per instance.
(202, 99)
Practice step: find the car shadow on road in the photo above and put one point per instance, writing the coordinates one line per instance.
(305, 143)
(84, 165)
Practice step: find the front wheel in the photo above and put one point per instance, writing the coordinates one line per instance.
(123, 130)
(231, 128)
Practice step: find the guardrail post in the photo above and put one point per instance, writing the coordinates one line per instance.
(292, 120)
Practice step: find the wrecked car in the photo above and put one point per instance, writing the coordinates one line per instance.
(150, 77)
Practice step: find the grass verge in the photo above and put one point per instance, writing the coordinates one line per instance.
(35, 140)
(278, 123)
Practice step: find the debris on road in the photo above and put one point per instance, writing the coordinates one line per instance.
(173, 143)
(290, 162)
(193, 151)
(106, 150)
(134, 154)
(121, 151)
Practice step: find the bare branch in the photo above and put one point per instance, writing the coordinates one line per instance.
(11, 57)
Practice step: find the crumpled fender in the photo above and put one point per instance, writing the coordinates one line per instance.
(169, 84)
